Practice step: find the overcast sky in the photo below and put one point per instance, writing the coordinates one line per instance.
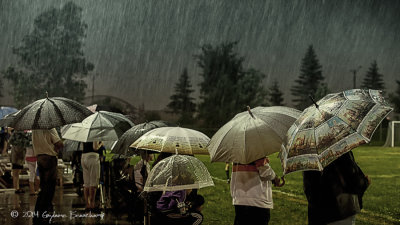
(140, 48)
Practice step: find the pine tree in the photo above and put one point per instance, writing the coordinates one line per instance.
(227, 88)
(181, 102)
(373, 79)
(309, 80)
(275, 96)
(51, 58)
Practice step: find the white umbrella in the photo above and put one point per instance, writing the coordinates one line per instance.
(100, 126)
(252, 135)
(178, 172)
(171, 139)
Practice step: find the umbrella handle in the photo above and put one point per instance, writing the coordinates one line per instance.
(312, 99)
(251, 114)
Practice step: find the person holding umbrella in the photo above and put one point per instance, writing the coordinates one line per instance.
(46, 144)
(91, 171)
(335, 196)
(251, 191)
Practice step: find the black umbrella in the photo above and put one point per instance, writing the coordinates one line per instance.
(48, 113)
(131, 135)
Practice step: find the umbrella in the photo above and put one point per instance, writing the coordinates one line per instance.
(71, 146)
(100, 126)
(178, 172)
(4, 111)
(171, 139)
(48, 113)
(7, 119)
(131, 135)
(252, 135)
(331, 127)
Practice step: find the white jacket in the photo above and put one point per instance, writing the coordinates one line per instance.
(251, 185)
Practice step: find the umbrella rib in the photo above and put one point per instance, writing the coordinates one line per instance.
(58, 111)
(37, 116)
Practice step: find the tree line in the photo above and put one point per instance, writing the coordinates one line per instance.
(51, 58)
(227, 87)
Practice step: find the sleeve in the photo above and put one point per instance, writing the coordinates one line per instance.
(54, 136)
(266, 172)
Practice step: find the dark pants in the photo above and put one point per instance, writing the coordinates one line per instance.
(251, 215)
(47, 166)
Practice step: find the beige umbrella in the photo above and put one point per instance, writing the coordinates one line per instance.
(171, 139)
(252, 135)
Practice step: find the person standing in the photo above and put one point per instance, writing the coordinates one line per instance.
(19, 141)
(31, 162)
(251, 191)
(91, 172)
(335, 195)
(46, 144)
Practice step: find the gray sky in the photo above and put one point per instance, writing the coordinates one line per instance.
(140, 47)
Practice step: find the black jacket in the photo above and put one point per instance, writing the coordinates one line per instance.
(321, 188)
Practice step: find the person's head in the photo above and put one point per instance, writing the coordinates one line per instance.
(146, 156)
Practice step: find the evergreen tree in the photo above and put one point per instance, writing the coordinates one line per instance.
(227, 88)
(275, 96)
(373, 79)
(181, 102)
(309, 80)
(51, 57)
(395, 98)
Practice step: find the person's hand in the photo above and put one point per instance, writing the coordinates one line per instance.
(368, 179)
(278, 183)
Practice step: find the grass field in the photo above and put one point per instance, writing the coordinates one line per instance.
(381, 200)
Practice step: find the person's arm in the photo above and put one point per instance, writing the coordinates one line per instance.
(56, 140)
(267, 173)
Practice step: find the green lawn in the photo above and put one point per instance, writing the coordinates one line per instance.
(381, 200)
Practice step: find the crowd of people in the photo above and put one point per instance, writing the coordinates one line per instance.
(334, 195)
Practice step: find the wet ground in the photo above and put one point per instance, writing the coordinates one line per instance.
(69, 209)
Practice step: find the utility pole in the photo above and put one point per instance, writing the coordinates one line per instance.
(354, 71)
(93, 87)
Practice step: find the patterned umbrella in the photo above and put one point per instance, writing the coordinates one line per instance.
(4, 111)
(100, 126)
(48, 113)
(7, 120)
(171, 139)
(178, 172)
(122, 146)
(333, 126)
(252, 135)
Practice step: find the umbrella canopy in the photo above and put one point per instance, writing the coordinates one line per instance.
(252, 135)
(122, 146)
(4, 111)
(7, 120)
(171, 139)
(72, 146)
(178, 172)
(100, 126)
(48, 113)
(333, 126)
